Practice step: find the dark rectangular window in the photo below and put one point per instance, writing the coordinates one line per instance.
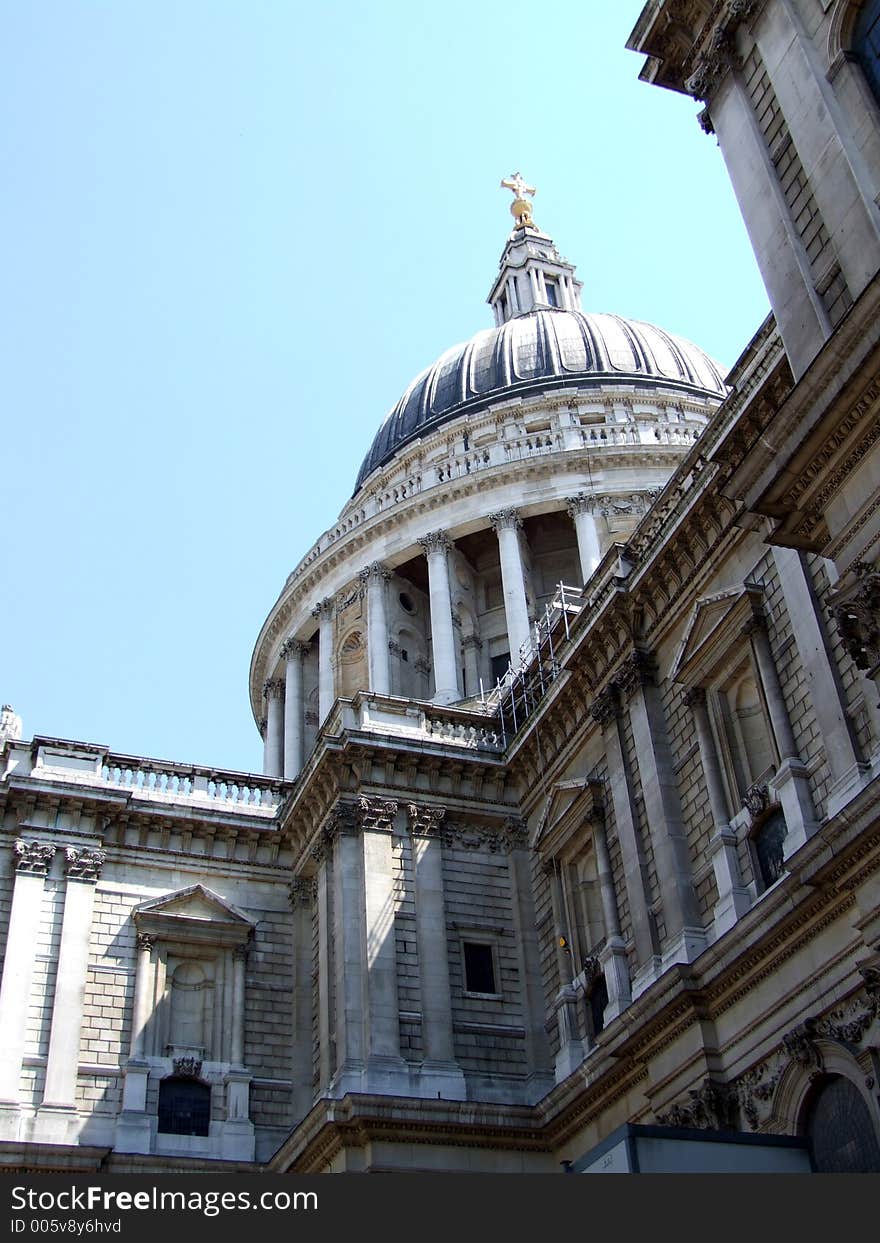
(479, 968)
(500, 664)
(552, 291)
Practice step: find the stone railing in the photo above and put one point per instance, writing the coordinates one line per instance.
(415, 476)
(161, 781)
(387, 715)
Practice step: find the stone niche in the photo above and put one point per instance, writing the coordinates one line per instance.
(188, 1022)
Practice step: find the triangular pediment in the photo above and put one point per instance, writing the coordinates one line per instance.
(196, 903)
(568, 805)
(714, 623)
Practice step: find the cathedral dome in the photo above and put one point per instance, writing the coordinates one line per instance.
(528, 353)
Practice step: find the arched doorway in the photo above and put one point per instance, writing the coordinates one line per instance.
(838, 1123)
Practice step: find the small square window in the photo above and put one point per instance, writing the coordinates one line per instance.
(479, 968)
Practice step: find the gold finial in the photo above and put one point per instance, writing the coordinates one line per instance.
(521, 208)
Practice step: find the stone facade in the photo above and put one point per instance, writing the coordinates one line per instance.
(633, 882)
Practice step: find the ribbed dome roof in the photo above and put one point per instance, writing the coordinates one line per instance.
(535, 351)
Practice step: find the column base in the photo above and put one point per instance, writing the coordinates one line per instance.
(56, 1124)
(134, 1086)
(538, 1085)
(688, 945)
(792, 787)
(386, 1075)
(448, 696)
(568, 1059)
(614, 964)
(846, 787)
(735, 903)
(441, 1081)
(10, 1120)
(237, 1142)
(134, 1132)
(349, 1077)
(646, 975)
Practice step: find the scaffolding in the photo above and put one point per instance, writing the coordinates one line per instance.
(516, 695)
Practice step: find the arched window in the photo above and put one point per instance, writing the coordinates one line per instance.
(184, 1107)
(837, 1121)
(866, 44)
(768, 843)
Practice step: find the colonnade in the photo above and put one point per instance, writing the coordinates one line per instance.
(285, 706)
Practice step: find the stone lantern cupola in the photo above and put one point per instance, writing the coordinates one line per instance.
(532, 273)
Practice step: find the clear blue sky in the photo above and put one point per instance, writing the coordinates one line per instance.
(232, 231)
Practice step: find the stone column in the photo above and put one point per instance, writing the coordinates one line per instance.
(143, 979)
(684, 930)
(580, 510)
(565, 1003)
(239, 959)
(386, 1071)
(446, 688)
(349, 936)
(32, 861)
(57, 1117)
(440, 1074)
(133, 1123)
(848, 772)
(302, 893)
(374, 578)
(324, 895)
(472, 645)
(791, 782)
(612, 956)
(294, 653)
(606, 710)
(733, 896)
(237, 1131)
(325, 612)
(273, 752)
(506, 524)
(538, 1058)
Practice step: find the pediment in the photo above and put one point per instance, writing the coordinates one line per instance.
(569, 805)
(193, 912)
(714, 624)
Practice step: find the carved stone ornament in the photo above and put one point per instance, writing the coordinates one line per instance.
(293, 649)
(857, 613)
(847, 1025)
(146, 942)
(273, 688)
(425, 821)
(33, 857)
(711, 1107)
(639, 669)
(694, 697)
(302, 890)
(84, 864)
(756, 799)
(422, 666)
(187, 1067)
(605, 707)
(481, 837)
(472, 641)
(377, 814)
(580, 504)
(324, 609)
(434, 542)
(505, 520)
(377, 572)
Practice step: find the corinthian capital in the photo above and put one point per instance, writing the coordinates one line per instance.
(505, 520)
(33, 857)
(293, 649)
(375, 573)
(580, 504)
(273, 688)
(84, 864)
(435, 542)
(324, 608)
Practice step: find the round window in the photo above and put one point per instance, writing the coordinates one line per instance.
(406, 603)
